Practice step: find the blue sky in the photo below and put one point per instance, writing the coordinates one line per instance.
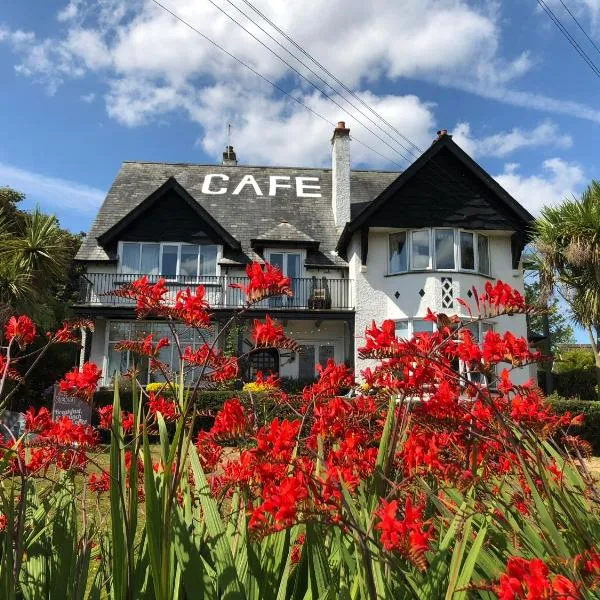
(87, 84)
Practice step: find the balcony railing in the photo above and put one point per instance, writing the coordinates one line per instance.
(310, 293)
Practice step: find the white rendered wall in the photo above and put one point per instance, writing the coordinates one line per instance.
(375, 290)
(97, 348)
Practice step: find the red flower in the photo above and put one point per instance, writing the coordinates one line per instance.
(191, 308)
(264, 283)
(99, 484)
(21, 330)
(37, 423)
(407, 535)
(82, 383)
(231, 420)
(167, 408)
(270, 334)
(106, 415)
(149, 298)
(529, 580)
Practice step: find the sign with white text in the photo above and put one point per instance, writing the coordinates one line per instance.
(77, 410)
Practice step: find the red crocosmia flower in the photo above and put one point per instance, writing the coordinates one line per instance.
(231, 420)
(270, 334)
(82, 383)
(20, 330)
(167, 408)
(127, 421)
(297, 549)
(100, 483)
(2, 522)
(264, 283)
(149, 298)
(407, 535)
(208, 451)
(37, 423)
(380, 342)
(106, 415)
(191, 308)
(530, 580)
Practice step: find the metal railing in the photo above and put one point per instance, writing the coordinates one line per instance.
(310, 293)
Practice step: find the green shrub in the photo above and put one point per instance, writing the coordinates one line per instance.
(575, 373)
(590, 430)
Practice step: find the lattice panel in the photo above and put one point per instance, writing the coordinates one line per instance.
(447, 293)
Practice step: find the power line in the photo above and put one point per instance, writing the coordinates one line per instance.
(569, 37)
(266, 79)
(299, 73)
(329, 73)
(580, 27)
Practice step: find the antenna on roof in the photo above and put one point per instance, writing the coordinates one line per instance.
(229, 157)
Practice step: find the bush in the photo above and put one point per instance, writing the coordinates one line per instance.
(575, 374)
(590, 430)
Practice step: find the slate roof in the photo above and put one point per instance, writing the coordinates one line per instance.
(245, 216)
(285, 232)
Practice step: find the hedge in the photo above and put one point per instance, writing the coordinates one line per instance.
(590, 430)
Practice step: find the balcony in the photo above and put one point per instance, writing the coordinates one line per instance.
(310, 293)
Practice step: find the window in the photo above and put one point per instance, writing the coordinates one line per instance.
(444, 249)
(168, 259)
(265, 360)
(398, 253)
(467, 251)
(440, 249)
(119, 362)
(406, 328)
(483, 254)
(290, 264)
(420, 251)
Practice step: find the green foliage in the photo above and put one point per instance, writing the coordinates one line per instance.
(561, 331)
(577, 359)
(575, 374)
(590, 430)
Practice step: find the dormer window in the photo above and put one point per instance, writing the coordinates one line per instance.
(170, 259)
(440, 249)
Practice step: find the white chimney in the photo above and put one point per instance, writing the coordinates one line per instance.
(340, 175)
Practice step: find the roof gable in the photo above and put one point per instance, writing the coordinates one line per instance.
(443, 187)
(198, 223)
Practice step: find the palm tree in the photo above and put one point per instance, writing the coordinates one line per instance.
(35, 254)
(567, 241)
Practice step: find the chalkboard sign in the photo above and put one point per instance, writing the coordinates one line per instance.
(77, 410)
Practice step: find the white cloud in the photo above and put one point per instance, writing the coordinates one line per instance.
(52, 192)
(557, 181)
(546, 134)
(88, 98)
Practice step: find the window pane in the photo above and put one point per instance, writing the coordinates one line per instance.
(402, 330)
(467, 252)
(474, 329)
(398, 253)
(189, 261)
(118, 331)
(306, 362)
(169, 260)
(130, 261)
(484, 254)
(117, 363)
(444, 249)
(293, 265)
(326, 352)
(208, 260)
(420, 325)
(150, 258)
(420, 249)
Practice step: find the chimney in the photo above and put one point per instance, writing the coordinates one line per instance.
(229, 158)
(340, 175)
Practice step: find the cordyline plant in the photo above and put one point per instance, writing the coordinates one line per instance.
(434, 478)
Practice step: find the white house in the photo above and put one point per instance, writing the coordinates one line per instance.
(358, 246)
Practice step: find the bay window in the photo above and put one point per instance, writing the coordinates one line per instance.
(168, 259)
(440, 249)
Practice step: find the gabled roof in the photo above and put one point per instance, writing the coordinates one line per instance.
(244, 216)
(360, 218)
(170, 185)
(285, 234)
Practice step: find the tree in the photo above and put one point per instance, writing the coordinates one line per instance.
(37, 277)
(567, 240)
(36, 255)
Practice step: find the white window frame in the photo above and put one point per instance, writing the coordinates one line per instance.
(335, 342)
(160, 258)
(455, 245)
(458, 268)
(300, 251)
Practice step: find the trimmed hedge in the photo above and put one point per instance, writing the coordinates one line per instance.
(590, 430)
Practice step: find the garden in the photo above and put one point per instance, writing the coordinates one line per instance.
(417, 482)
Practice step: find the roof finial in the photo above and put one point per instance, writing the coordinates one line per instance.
(229, 157)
